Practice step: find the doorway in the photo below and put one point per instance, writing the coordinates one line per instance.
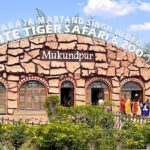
(96, 94)
(136, 95)
(98, 90)
(133, 91)
(67, 94)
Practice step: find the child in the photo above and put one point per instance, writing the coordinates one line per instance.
(144, 110)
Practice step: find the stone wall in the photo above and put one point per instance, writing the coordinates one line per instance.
(20, 62)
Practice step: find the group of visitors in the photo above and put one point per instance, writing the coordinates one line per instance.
(134, 107)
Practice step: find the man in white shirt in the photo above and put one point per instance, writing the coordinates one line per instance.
(100, 101)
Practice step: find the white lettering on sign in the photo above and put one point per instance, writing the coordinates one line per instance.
(69, 55)
(74, 25)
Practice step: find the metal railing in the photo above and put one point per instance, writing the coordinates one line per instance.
(120, 119)
(4, 120)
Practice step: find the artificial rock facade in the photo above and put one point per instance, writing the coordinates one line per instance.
(20, 62)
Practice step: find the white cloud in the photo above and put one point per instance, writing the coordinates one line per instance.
(114, 8)
(108, 8)
(140, 27)
(145, 7)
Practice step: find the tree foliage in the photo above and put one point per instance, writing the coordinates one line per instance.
(76, 128)
(133, 136)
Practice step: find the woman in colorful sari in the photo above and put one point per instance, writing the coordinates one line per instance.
(122, 106)
(135, 107)
(128, 107)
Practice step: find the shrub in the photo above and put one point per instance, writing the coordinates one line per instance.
(132, 136)
(78, 127)
(51, 102)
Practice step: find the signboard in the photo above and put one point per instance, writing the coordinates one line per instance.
(98, 85)
(67, 85)
(32, 83)
(70, 25)
(131, 86)
(68, 55)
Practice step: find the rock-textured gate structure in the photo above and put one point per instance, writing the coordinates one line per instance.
(20, 62)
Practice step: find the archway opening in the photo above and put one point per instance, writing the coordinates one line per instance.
(98, 90)
(32, 95)
(67, 94)
(133, 91)
(2, 99)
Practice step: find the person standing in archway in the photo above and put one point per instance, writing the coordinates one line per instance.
(148, 106)
(144, 110)
(128, 107)
(135, 105)
(122, 106)
(100, 101)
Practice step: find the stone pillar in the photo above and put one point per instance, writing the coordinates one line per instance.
(12, 94)
(80, 92)
(115, 94)
(147, 91)
(54, 87)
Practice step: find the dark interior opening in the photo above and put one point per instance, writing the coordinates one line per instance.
(67, 97)
(136, 95)
(133, 95)
(96, 94)
(133, 91)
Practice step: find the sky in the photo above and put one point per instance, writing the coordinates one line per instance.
(131, 16)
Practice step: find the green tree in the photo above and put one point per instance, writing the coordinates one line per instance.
(132, 136)
(146, 132)
(16, 134)
(97, 121)
(51, 104)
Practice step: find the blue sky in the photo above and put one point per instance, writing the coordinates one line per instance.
(132, 16)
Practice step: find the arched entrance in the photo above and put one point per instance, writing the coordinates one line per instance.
(2, 99)
(32, 95)
(67, 94)
(132, 90)
(97, 90)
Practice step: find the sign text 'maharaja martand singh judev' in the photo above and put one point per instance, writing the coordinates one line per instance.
(73, 25)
